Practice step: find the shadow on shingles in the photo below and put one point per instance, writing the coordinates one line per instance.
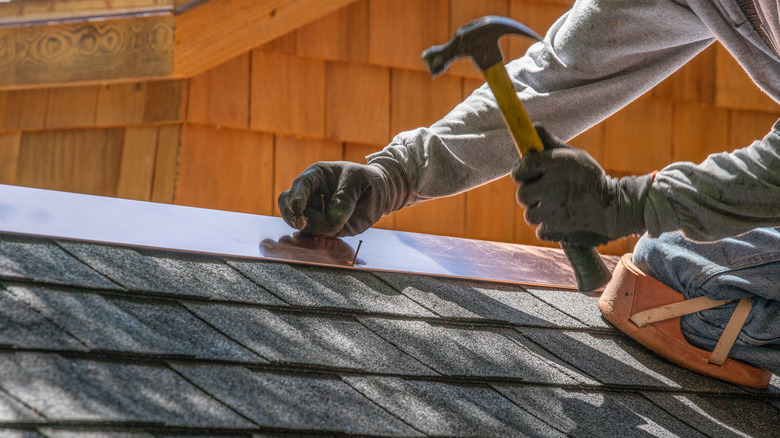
(64, 390)
(614, 360)
(458, 298)
(710, 406)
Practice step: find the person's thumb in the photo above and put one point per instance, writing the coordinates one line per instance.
(548, 140)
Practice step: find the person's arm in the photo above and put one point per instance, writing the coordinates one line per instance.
(727, 194)
(568, 196)
(596, 59)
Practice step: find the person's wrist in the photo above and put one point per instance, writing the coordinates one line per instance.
(626, 214)
(397, 187)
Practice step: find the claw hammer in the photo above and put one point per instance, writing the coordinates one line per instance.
(479, 40)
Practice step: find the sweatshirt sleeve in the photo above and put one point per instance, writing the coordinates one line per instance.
(597, 58)
(726, 195)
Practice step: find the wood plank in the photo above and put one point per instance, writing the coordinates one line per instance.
(286, 44)
(82, 160)
(491, 211)
(294, 155)
(136, 169)
(749, 126)
(21, 12)
(699, 130)
(339, 36)
(72, 107)
(10, 144)
(166, 164)
(399, 30)
(3, 108)
(226, 169)
(26, 109)
(638, 138)
(165, 101)
(357, 154)
(442, 216)
(418, 100)
(121, 104)
(220, 96)
(464, 11)
(734, 88)
(696, 81)
(619, 247)
(592, 141)
(357, 103)
(94, 51)
(471, 85)
(219, 30)
(287, 94)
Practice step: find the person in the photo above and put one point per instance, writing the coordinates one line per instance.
(709, 227)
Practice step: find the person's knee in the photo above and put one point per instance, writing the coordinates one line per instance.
(660, 257)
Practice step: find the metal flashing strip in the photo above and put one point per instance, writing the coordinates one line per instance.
(70, 216)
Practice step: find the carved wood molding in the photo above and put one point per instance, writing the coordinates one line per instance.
(93, 51)
(180, 40)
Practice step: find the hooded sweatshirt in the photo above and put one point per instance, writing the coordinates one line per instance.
(596, 59)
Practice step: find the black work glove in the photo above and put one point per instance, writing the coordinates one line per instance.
(569, 198)
(341, 198)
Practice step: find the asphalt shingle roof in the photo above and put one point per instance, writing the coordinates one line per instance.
(101, 340)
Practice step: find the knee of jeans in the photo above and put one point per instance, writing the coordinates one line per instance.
(654, 257)
(646, 251)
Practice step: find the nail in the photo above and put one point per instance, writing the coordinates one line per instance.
(322, 195)
(360, 242)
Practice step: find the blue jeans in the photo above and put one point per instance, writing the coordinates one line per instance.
(744, 266)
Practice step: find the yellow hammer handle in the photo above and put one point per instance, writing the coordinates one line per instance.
(589, 269)
(523, 131)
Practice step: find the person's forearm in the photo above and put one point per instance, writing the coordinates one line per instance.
(726, 195)
(586, 69)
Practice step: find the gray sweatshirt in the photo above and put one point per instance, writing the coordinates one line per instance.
(596, 59)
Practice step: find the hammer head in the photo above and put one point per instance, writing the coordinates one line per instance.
(479, 40)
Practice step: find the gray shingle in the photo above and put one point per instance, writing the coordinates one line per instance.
(294, 402)
(126, 325)
(7, 432)
(472, 299)
(581, 414)
(448, 410)
(59, 433)
(42, 261)
(22, 327)
(173, 273)
(460, 351)
(11, 411)
(582, 306)
(330, 341)
(339, 288)
(83, 390)
(721, 416)
(619, 360)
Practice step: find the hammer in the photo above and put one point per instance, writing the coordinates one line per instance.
(479, 40)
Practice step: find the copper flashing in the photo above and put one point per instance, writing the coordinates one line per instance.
(71, 216)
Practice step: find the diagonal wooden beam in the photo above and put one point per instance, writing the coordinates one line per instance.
(219, 30)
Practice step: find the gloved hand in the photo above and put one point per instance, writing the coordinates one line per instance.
(341, 198)
(569, 198)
